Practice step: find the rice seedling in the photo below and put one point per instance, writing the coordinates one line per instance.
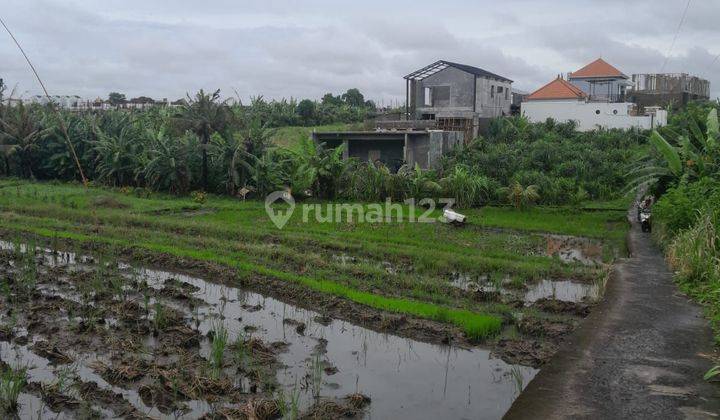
(316, 371)
(160, 319)
(289, 405)
(517, 378)
(241, 352)
(12, 382)
(217, 348)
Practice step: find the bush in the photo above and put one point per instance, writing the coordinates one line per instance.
(678, 209)
(557, 159)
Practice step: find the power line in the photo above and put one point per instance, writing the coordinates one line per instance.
(714, 61)
(677, 32)
(63, 128)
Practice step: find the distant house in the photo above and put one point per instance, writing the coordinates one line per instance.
(601, 81)
(518, 96)
(141, 102)
(456, 95)
(562, 100)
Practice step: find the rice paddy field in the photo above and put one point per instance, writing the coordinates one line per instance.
(126, 303)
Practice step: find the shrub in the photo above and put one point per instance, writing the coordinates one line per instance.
(466, 187)
(12, 383)
(198, 196)
(679, 207)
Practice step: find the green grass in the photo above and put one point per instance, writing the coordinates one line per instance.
(289, 137)
(240, 235)
(12, 382)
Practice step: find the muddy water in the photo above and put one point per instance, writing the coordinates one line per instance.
(565, 290)
(404, 378)
(572, 249)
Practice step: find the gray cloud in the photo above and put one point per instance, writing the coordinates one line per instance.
(285, 49)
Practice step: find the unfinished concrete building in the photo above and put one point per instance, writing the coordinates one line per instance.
(456, 96)
(393, 148)
(668, 89)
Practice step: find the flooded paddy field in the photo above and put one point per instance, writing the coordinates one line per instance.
(160, 307)
(105, 338)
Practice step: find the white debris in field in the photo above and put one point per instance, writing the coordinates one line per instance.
(454, 217)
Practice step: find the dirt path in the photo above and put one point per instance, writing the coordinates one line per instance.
(641, 353)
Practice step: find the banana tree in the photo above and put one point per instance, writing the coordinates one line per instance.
(690, 155)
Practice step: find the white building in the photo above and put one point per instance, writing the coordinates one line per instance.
(563, 101)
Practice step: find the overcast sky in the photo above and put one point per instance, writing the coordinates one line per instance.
(164, 48)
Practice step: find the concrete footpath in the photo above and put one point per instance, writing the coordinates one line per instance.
(640, 354)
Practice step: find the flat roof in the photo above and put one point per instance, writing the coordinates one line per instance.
(369, 135)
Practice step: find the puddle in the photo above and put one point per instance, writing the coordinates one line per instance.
(404, 378)
(572, 249)
(564, 290)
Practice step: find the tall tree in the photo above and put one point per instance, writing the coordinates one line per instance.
(116, 98)
(330, 99)
(306, 111)
(205, 114)
(353, 97)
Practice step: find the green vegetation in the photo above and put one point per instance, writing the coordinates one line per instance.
(552, 162)
(684, 168)
(290, 137)
(210, 145)
(217, 350)
(386, 266)
(208, 153)
(12, 382)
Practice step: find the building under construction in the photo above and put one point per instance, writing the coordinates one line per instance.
(668, 89)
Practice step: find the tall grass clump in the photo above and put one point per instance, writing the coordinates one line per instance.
(217, 348)
(12, 383)
(466, 187)
(694, 254)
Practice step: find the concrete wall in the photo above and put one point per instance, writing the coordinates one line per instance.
(461, 93)
(591, 115)
(389, 152)
(394, 148)
(663, 100)
(461, 84)
(489, 102)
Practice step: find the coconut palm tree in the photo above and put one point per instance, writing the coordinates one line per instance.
(20, 134)
(204, 115)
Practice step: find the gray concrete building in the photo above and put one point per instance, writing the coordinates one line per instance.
(456, 95)
(393, 148)
(667, 89)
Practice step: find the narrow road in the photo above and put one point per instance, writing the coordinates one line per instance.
(641, 353)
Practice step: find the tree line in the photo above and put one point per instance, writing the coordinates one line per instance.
(211, 145)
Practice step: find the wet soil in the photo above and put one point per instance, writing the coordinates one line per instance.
(135, 342)
(143, 342)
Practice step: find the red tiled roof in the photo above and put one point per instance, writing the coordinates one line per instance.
(557, 89)
(598, 68)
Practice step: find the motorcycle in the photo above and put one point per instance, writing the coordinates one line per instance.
(644, 217)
